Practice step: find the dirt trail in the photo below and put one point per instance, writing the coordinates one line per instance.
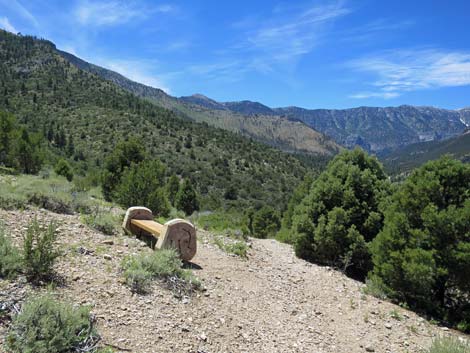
(272, 302)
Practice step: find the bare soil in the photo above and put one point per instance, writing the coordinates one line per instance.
(270, 302)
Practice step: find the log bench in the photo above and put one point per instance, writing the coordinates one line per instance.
(177, 233)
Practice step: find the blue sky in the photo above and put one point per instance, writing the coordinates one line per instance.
(314, 54)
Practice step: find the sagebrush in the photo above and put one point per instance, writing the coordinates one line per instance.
(164, 264)
(46, 325)
(39, 250)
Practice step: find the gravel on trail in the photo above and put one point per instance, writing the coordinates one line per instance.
(270, 302)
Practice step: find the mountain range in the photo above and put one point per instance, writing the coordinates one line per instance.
(374, 129)
(284, 133)
(378, 130)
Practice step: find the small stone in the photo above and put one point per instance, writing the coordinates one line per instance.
(107, 257)
(370, 348)
(388, 325)
(108, 242)
(203, 337)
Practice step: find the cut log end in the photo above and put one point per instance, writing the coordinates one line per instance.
(180, 235)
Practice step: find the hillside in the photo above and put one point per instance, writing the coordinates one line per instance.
(412, 156)
(271, 302)
(279, 132)
(54, 97)
(375, 129)
(464, 115)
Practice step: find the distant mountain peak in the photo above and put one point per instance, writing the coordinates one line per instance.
(200, 96)
(247, 107)
(202, 100)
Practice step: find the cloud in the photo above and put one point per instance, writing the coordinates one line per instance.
(5, 24)
(165, 8)
(107, 13)
(19, 9)
(176, 46)
(384, 95)
(137, 70)
(273, 44)
(287, 36)
(377, 30)
(400, 71)
(114, 12)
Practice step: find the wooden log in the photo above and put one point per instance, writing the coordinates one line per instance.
(177, 233)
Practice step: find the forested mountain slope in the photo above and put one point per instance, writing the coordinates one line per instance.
(50, 95)
(412, 156)
(279, 132)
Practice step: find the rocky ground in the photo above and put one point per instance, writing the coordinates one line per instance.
(271, 302)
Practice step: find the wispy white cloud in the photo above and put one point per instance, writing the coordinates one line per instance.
(114, 12)
(177, 46)
(5, 24)
(384, 95)
(19, 9)
(402, 71)
(141, 71)
(288, 36)
(109, 12)
(273, 43)
(379, 29)
(165, 8)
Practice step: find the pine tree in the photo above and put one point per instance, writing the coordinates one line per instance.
(339, 217)
(186, 199)
(422, 255)
(172, 188)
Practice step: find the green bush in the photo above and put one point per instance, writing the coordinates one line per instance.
(341, 215)
(39, 254)
(172, 188)
(64, 169)
(45, 325)
(143, 184)
(10, 257)
(137, 278)
(286, 234)
(101, 221)
(422, 255)
(238, 248)
(264, 223)
(164, 264)
(19, 149)
(124, 155)
(186, 198)
(449, 345)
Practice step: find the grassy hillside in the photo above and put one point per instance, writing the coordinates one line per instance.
(50, 95)
(288, 135)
